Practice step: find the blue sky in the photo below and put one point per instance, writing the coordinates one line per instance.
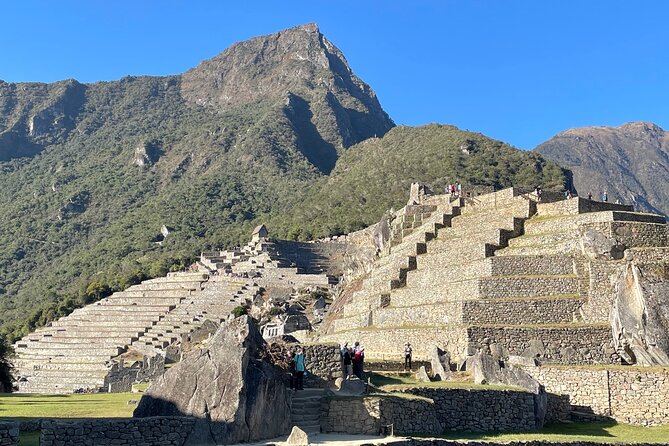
(519, 71)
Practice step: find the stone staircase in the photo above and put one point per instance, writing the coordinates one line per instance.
(215, 302)
(305, 410)
(506, 275)
(73, 353)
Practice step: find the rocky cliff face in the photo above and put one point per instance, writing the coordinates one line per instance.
(307, 75)
(235, 394)
(630, 162)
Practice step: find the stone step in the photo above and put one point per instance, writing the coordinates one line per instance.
(530, 265)
(104, 317)
(66, 350)
(565, 248)
(543, 239)
(75, 357)
(74, 379)
(166, 286)
(25, 365)
(153, 293)
(92, 374)
(528, 311)
(457, 251)
(132, 308)
(525, 286)
(143, 301)
(90, 332)
(568, 223)
(106, 341)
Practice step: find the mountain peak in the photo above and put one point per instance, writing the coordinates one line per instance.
(298, 58)
(300, 73)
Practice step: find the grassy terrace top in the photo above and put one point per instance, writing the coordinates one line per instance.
(390, 382)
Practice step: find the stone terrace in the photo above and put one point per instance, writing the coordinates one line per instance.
(78, 352)
(499, 273)
(73, 352)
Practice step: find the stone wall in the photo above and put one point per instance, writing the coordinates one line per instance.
(632, 234)
(481, 410)
(156, 431)
(632, 395)
(9, 433)
(579, 205)
(323, 363)
(431, 412)
(584, 344)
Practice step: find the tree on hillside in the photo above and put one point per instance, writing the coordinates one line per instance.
(5, 368)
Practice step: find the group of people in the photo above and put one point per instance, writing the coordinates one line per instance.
(297, 368)
(352, 360)
(454, 189)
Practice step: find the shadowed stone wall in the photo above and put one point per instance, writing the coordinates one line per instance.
(9, 433)
(432, 412)
(156, 431)
(632, 395)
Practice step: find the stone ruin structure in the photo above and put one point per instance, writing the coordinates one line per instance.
(505, 274)
(551, 285)
(109, 345)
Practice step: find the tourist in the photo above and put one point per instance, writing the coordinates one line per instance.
(342, 352)
(358, 360)
(299, 369)
(291, 369)
(537, 192)
(589, 195)
(605, 196)
(348, 363)
(458, 188)
(407, 356)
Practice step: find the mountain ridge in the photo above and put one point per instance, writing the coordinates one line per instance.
(629, 162)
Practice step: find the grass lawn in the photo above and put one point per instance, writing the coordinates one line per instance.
(569, 432)
(96, 405)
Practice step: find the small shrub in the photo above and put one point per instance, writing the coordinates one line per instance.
(239, 311)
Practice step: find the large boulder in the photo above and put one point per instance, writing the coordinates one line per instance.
(489, 370)
(640, 316)
(234, 392)
(440, 361)
(597, 246)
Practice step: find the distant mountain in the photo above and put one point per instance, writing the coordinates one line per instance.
(275, 130)
(630, 162)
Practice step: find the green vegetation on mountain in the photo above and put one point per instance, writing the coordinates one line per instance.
(91, 174)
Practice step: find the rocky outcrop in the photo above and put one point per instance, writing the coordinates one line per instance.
(440, 361)
(235, 394)
(597, 246)
(640, 318)
(489, 370)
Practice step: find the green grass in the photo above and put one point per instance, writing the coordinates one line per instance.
(99, 405)
(571, 432)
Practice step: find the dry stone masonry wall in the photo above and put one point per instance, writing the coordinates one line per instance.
(432, 412)
(158, 431)
(9, 433)
(632, 395)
